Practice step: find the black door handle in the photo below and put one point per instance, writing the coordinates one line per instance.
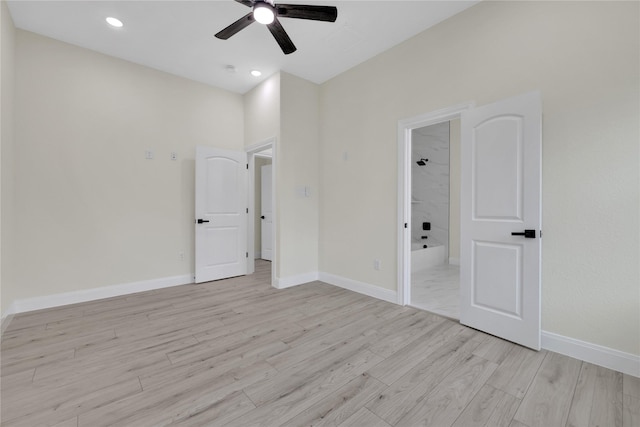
(529, 234)
(200, 221)
(262, 217)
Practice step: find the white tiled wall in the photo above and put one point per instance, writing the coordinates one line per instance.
(430, 184)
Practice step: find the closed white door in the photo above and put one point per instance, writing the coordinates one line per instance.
(267, 213)
(500, 224)
(221, 214)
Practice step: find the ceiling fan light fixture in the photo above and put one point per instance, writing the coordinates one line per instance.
(264, 13)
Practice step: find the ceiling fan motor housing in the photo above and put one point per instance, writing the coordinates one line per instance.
(264, 12)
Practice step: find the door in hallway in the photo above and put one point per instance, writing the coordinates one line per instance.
(266, 213)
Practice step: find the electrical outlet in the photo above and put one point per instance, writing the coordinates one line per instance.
(181, 255)
(376, 264)
(174, 155)
(148, 154)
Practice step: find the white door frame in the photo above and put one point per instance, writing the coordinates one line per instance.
(251, 152)
(405, 128)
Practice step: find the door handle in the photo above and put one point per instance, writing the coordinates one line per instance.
(200, 221)
(262, 217)
(529, 234)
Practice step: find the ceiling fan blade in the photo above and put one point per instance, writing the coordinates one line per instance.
(247, 3)
(281, 37)
(232, 29)
(301, 11)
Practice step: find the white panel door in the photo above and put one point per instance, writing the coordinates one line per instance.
(501, 159)
(221, 214)
(267, 213)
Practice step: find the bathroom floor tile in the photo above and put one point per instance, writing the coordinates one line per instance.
(437, 290)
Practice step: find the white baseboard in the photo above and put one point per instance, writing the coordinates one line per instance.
(360, 287)
(626, 363)
(287, 282)
(7, 316)
(56, 300)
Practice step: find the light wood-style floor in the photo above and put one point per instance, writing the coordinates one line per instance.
(238, 352)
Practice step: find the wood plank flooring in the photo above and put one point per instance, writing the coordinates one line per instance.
(238, 352)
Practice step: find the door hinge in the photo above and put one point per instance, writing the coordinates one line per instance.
(247, 166)
(247, 254)
(247, 210)
(405, 225)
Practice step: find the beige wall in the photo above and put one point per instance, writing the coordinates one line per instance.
(7, 201)
(298, 167)
(90, 210)
(287, 107)
(584, 57)
(262, 111)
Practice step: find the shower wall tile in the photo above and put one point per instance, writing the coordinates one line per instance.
(430, 184)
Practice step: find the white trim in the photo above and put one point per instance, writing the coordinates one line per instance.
(360, 287)
(7, 317)
(251, 153)
(56, 300)
(260, 146)
(454, 261)
(300, 279)
(405, 126)
(626, 363)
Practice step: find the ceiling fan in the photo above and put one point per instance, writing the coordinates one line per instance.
(267, 12)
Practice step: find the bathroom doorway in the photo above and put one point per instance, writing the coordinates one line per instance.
(435, 219)
(432, 269)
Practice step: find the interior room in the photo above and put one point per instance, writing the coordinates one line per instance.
(102, 321)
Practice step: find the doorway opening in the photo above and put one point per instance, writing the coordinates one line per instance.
(261, 236)
(500, 213)
(435, 219)
(428, 208)
(263, 212)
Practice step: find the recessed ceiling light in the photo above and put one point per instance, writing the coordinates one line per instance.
(114, 22)
(256, 73)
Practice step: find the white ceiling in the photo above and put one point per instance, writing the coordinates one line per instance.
(177, 36)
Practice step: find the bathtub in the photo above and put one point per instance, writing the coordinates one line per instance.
(424, 258)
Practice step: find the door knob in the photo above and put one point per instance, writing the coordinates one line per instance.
(262, 217)
(200, 221)
(529, 234)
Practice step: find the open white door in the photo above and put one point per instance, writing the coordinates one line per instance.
(501, 188)
(221, 214)
(266, 214)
